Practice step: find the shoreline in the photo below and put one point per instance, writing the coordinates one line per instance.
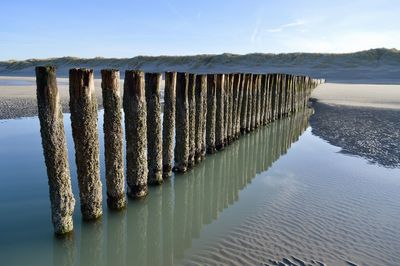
(18, 99)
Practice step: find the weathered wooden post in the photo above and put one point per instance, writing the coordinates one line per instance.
(263, 91)
(254, 102)
(258, 101)
(154, 128)
(245, 103)
(228, 122)
(168, 123)
(268, 98)
(295, 94)
(204, 129)
(211, 112)
(113, 142)
(83, 107)
(201, 89)
(280, 95)
(55, 150)
(226, 109)
(284, 95)
(135, 109)
(271, 84)
(240, 90)
(192, 119)
(275, 96)
(182, 123)
(235, 101)
(220, 122)
(249, 103)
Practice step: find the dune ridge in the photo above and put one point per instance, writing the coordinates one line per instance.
(372, 66)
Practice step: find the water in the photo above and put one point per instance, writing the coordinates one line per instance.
(281, 193)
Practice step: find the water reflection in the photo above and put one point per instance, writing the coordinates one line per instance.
(158, 229)
(371, 133)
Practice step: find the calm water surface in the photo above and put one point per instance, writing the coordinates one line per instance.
(283, 193)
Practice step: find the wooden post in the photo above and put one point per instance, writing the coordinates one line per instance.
(275, 96)
(55, 150)
(211, 112)
(254, 103)
(269, 98)
(245, 103)
(201, 89)
(135, 109)
(83, 107)
(258, 101)
(182, 123)
(226, 109)
(240, 89)
(249, 103)
(169, 123)
(220, 122)
(154, 128)
(295, 95)
(287, 94)
(113, 141)
(263, 90)
(228, 122)
(204, 129)
(192, 119)
(235, 103)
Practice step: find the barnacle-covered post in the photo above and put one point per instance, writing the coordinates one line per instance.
(182, 123)
(154, 128)
(168, 123)
(55, 150)
(83, 107)
(192, 119)
(211, 112)
(220, 122)
(135, 109)
(201, 89)
(113, 140)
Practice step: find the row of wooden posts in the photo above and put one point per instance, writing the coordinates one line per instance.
(203, 112)
(167, 224)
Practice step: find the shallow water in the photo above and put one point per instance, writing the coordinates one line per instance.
(278, 194)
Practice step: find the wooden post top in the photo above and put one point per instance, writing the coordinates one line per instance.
(81, 82)
(134, 83)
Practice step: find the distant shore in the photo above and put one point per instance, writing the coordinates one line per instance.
(360, 95)
(18, 95)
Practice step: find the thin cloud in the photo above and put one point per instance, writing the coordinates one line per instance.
(296, 23)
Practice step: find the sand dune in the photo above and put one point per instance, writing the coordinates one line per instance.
(372, 66)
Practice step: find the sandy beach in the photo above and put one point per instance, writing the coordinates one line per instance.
(18, 95)
(362, 95)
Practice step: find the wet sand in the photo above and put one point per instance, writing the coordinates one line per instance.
(365, 95)
(18, 96)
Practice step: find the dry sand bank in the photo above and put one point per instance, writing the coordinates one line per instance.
(362, 95)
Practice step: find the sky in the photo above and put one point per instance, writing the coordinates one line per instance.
(123, 29)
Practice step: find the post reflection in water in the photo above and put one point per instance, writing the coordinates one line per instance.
(158, 229)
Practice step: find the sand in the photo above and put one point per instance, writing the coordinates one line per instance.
(362, 95)
(18, 95)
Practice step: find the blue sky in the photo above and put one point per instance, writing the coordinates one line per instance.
(88, 28)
